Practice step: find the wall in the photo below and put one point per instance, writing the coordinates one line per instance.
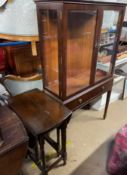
(19, 17)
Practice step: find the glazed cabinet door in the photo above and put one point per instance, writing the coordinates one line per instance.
(80, 36)
(107, 43)
(48, 15)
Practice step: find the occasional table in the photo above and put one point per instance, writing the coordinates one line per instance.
(41, 114)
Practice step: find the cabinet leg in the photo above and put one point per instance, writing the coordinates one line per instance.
(123, 92)
(107, 104)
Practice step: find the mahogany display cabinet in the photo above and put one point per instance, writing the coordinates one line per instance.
(75, 36)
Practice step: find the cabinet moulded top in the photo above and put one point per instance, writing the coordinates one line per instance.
(85, 1)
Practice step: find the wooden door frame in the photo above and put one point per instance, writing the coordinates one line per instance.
(68, 7)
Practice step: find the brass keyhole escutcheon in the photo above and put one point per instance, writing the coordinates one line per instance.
(80, 100)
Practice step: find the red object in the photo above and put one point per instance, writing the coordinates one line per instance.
(2, 60)
(117, 163)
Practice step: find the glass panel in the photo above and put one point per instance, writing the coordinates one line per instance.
(50, 49)
(106, 44)
(80, 38)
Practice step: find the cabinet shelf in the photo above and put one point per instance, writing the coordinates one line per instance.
(48, 37)
(76, 83)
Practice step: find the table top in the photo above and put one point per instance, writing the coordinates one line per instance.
(39, 112)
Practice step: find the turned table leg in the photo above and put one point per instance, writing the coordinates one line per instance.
(63, 137)
(42, 150)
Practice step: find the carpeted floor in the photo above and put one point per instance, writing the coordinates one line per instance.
(88, 141)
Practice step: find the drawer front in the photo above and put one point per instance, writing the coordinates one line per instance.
(89, 95)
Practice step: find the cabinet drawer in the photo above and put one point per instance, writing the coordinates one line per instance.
(89, 95)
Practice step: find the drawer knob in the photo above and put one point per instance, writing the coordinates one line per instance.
(103, 87)
(80, 100)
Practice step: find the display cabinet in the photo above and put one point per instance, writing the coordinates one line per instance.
(75, 36)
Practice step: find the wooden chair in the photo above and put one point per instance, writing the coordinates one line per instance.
(13, 142)
(16, 84)
(3, 61)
